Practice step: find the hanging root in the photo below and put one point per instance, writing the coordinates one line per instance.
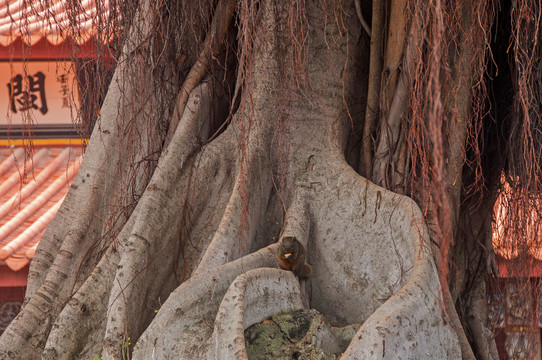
(113, 292)
(251, 298)
(385, 171)
(213, 42)
(297, 219)
(293, 249)
(364, 24)
(158, 224)
(245, 209)
(88, 309)
(190, 311)
(373, 91)
(70, 238)
(409, 320)
(232, 303)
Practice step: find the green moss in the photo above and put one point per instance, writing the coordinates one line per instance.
(266, 341)
(294, 323)
(297, 334)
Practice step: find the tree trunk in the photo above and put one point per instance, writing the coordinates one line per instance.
(197, 241)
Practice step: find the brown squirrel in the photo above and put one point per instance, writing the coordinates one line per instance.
(291, 256)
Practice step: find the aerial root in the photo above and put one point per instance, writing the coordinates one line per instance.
(297, 219)
(364, 24)
(389, 136)
(251, 298)
(194, 125)
(297, 226)
(83, 309)
(419, 306)
(190, 311)
(146, 251)
(245, 209)
(373, 91)
(113, 290)
(483, 337)
(214, 40)
(410, 316)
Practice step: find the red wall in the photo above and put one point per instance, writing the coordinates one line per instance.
(11, 279)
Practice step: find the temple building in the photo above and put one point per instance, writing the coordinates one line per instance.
(515, 298)
(41, 144)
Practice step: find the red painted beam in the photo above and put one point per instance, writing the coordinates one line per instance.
(44, 50)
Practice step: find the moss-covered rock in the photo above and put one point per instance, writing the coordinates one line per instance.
(266, 341)
(297, 334)
(294, 323)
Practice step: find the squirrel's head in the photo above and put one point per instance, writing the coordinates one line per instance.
(290, 247)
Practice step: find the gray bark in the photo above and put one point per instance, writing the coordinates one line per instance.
(200, 238)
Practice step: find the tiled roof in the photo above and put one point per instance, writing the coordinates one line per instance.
(511, 245)
(32, 20)
(28, 203)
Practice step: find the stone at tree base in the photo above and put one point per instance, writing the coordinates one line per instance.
(266, 341)
(297, 334)
(294, 323)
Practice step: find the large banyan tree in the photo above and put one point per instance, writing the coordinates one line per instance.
(377, 134)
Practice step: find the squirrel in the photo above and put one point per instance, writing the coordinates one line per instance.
(291, 256)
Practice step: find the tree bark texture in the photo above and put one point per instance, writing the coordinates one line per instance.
(196, 239)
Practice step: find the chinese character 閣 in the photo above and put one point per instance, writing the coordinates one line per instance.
(28, 95)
